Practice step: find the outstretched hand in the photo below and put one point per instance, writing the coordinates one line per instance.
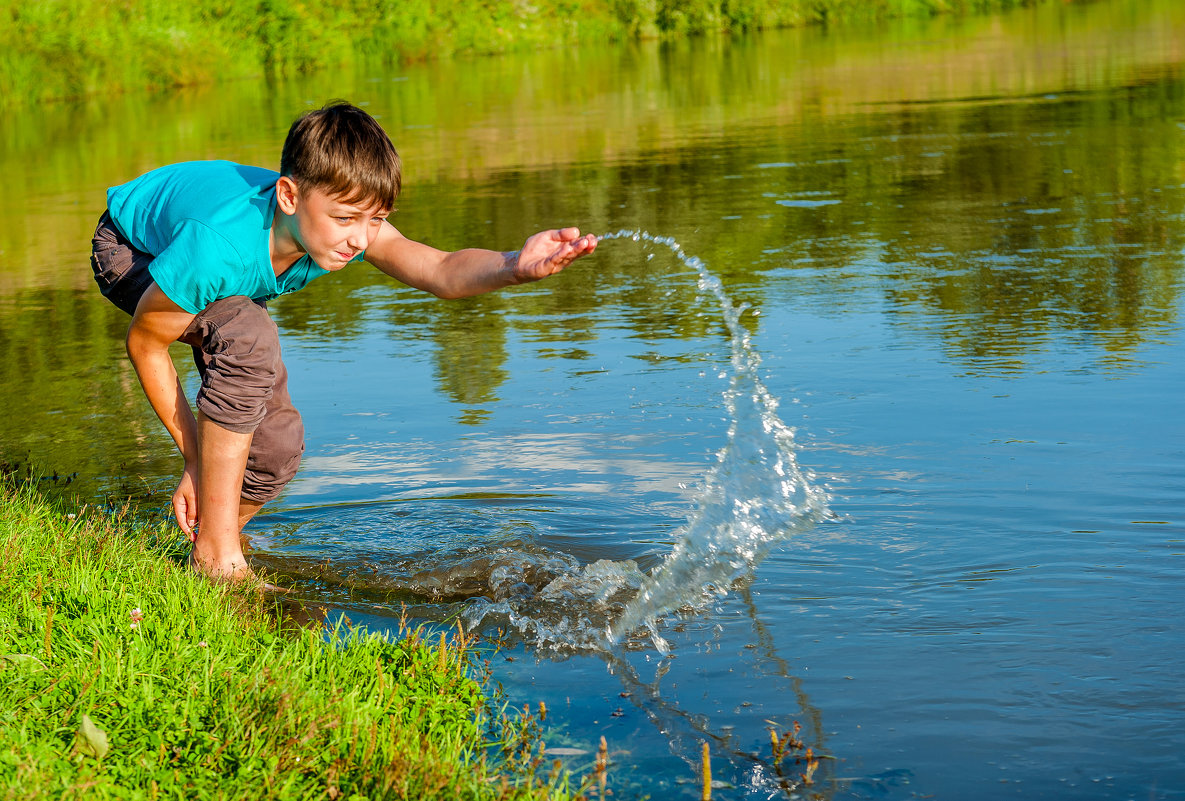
(548, 252)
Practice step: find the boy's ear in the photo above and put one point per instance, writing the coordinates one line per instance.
(287, 194)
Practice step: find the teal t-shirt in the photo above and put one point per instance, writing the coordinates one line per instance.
(207, 223)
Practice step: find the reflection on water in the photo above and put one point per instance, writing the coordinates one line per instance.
(964, 239)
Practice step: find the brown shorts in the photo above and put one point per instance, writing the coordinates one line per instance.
(236, 348)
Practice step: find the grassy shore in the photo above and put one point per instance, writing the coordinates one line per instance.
(123, 675)
(58, 49)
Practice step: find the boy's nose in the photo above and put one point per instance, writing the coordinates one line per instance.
(357, 238)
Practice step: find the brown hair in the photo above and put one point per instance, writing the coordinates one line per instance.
(342, 150)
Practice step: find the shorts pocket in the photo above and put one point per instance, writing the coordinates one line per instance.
(120, 270)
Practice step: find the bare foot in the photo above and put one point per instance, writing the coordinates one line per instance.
(229, 572)
(234, 573)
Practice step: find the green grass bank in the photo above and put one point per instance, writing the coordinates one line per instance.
(66, 49)
(123, 675)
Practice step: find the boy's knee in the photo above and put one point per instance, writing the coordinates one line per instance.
(276, 450)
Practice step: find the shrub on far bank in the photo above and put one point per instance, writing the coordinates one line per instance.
(66, 49)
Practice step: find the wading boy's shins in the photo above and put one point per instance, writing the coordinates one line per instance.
(194, 251)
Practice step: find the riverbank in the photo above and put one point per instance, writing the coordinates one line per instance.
(123, 675)
(55, 50)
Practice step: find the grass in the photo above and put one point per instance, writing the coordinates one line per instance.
(69, 49)
(123, 675)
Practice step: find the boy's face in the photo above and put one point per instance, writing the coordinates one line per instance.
(330, 230)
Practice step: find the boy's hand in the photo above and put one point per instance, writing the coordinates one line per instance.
(548, 252)
(185, 503)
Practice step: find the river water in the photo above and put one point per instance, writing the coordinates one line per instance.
(867, 416)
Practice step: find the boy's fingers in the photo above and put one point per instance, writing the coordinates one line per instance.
(185, 517)
(563, 246)
(579, 247)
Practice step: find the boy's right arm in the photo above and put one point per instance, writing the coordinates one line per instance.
(474, 271)
(156, 325)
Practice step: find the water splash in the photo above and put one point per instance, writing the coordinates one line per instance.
(517, 586)
(755, 496)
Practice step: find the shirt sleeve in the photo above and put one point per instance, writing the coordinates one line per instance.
(197, 268)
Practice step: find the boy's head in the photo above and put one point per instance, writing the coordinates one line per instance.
(344, 152)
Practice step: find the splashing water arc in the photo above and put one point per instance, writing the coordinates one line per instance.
(753, 497)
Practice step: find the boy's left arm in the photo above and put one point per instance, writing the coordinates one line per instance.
(473, 271)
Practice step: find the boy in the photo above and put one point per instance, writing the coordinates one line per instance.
(193, 251)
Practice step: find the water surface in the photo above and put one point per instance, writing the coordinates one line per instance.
(953, 253)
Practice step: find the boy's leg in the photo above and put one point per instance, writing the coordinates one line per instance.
(278, 444)
(222, 457)
(243, 408)
(247, 510)
(275, 452)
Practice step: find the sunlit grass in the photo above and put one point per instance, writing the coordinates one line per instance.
(123, 675)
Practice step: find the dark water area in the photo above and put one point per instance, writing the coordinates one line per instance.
(925, 430)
